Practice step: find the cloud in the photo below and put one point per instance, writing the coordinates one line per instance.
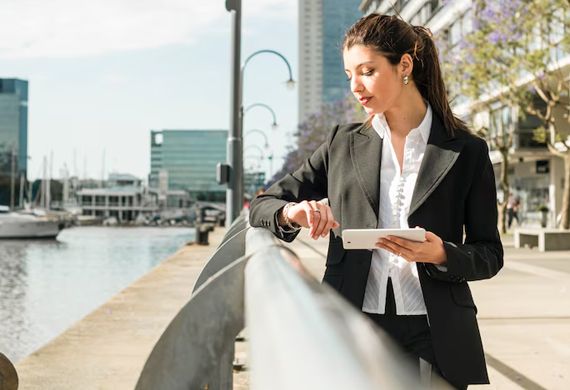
(72, 28)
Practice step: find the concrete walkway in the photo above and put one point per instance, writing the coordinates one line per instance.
(108, 348)
(523, 312)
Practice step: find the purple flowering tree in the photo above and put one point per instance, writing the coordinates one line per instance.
(515, 56)
(315, 129)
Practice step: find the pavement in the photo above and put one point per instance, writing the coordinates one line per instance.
(523, 314)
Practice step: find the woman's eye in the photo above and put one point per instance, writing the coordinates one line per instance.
(368, 73)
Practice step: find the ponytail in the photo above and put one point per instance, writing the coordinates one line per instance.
(429, 80)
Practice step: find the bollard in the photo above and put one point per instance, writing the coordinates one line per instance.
(202, 231)
(8, 374)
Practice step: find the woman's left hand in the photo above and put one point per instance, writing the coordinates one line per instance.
(429, 251)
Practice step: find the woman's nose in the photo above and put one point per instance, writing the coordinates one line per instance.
(355, 85)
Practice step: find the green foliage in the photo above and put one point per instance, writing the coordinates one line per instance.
(540, 134)
(510, 54)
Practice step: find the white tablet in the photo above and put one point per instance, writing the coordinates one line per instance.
(367, 238)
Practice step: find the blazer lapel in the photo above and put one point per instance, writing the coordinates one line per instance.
(366, 155)
(441, 153)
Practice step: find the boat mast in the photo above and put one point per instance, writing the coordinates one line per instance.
(22, 185)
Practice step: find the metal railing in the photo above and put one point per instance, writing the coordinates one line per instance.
(301, 333)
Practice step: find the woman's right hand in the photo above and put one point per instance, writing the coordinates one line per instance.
(316, 216)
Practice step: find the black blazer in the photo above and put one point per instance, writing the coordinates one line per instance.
(455, 190)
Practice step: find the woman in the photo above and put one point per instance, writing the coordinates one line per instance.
(413, 163)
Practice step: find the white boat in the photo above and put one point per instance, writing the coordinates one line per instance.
(17, 225)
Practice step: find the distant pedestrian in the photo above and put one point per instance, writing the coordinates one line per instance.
(513, 205)
(413, 163)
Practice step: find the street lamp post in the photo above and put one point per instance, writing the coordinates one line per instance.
(254, 172)
(274, 124)
(234, 193)
(290, 82)
(257, 131)
(232, 173)
(270, 156)
(262, 155)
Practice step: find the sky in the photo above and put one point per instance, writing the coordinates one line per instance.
(104, 73)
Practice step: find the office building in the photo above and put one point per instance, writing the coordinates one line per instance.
(13, 136)
(124, 198)
(253, 181)
(186, 160)
(322, 24)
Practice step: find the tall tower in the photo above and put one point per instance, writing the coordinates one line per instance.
(310, 56)
(322, 24)
(338, 16)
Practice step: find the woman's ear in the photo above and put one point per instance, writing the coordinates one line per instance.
(406, 64)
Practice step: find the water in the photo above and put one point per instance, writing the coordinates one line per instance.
(46, 286)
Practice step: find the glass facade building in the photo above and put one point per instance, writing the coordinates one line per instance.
(338, 16)
(13, 139)
(14, 122)
(186, 160)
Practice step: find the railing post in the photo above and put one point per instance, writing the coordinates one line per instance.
(196, 350)
(8, 374)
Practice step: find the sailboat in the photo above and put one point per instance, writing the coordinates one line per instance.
(20, 225)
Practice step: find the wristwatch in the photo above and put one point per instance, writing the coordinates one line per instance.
(288, 223)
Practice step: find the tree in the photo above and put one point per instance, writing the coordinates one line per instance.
(314, 131)
(513, 55)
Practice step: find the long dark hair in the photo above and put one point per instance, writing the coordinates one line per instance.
(392, 38)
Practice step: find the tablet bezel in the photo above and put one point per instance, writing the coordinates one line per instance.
(367, 238)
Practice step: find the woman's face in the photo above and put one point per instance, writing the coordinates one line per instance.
(375, 82)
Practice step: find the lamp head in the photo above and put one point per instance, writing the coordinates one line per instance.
(290, 84)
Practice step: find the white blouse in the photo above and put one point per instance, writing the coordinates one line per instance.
(396, 191)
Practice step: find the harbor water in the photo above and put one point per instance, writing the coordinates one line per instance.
(48, 285)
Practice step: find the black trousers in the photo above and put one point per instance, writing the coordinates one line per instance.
(411, 332)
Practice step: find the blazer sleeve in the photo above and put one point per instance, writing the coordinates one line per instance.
(481, 255)
(309, 182)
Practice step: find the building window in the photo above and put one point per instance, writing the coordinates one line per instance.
(455, 32)
(99, 200)
(501, 121)
(462, 26)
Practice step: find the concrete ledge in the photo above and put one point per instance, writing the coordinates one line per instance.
(543, 238)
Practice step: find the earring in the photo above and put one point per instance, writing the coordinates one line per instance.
(406, 79)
